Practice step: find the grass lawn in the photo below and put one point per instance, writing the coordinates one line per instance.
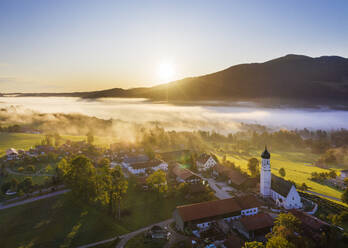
(18, 141)
(139, 241)
(61, 222)
(297, 166)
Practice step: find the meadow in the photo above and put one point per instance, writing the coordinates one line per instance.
(62, 222)
(298, 167)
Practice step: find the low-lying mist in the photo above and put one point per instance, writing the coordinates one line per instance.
(125, 117)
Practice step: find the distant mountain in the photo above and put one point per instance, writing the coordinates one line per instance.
(295, 77)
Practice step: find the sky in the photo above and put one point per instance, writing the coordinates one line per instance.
(79, 45)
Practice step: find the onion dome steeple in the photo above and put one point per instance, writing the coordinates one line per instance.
(266, 154)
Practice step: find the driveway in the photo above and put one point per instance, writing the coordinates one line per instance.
(124, 238)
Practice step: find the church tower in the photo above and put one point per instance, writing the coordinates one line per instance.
(265, 177)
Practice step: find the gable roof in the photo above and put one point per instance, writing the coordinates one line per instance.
(280, 185)
(233, 174)
(183, 173)
(203, 158)
(306, 219)
(256, 222)
(216, 208)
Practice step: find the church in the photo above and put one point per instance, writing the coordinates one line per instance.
(283, 192)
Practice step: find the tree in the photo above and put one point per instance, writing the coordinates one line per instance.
(332, 174)
(149, 152)
(253, 244)
(158, 181)
(80, 176)
(279, 242)
(303, 187)
(285, 232)
(118, 189)
(90, 138)
(26, 185)
(282, 172)
(253, 166)
(344, 196)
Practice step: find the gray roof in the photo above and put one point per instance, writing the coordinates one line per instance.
(280, 185)
(266, 154)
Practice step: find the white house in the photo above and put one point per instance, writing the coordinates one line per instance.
(144, 167)
(11, 154)
(281, 191)
(205, 162)
(344, 174)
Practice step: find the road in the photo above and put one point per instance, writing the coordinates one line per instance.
(2, 207)
(326, 196)
(219, 193)
(29, 175)
(128, 236)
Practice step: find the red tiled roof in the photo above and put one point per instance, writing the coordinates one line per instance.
(248, 201)
(215, 208)
(233, 242)
(208, 209)
(181, 172)
(236, 177)
(256, 222)
(309, 220)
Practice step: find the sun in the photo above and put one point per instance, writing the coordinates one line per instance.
(165, 71)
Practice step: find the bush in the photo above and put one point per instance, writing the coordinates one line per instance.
(20, 169)
(31, 168)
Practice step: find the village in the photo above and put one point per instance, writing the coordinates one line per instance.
(230, 209)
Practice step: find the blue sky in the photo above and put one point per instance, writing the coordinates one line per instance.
(88, 45)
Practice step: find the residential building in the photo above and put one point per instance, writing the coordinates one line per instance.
(183, 175)
(202, 215)
(255, 225)
(205, 162)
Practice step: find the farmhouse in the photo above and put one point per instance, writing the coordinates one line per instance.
(205, 162)
(183, 175)
(138, 168)
(344, 174)
(202, 215)
(11, 154)
(312, 227)
(281, 191)
(234, 177)
(255, 225)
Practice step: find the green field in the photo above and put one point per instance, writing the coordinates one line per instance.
(25, 140)
(298, 167)
(61, 222)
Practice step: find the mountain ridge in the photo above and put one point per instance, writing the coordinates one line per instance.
(289, 77)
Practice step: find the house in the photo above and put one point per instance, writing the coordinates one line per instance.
(12, 154)
(183, 175)
(283, 192)
(255, 225)
(344, 174)
(311, 226)
(202, 215)
(145, 167)
(234, 177)
(205, 162)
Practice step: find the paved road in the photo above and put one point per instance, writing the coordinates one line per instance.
(219, 193)
(29, 175)
(2, 207)
(318, 194)
(128, 236)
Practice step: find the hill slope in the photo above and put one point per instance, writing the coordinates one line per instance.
(293, 77)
